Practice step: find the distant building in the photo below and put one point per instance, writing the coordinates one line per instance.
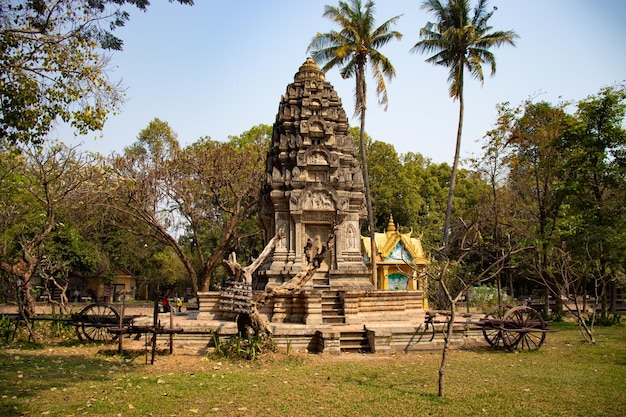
(103, 289)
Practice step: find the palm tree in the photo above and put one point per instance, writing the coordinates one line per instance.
(350, 49)
(460, 44)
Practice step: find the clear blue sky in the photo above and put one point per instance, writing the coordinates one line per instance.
(220, 67)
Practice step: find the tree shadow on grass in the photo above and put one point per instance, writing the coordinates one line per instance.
(26, 375)
(131, 354)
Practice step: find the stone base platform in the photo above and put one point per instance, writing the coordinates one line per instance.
(371, 336)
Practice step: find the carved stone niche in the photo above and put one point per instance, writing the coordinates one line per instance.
(318, 158)
(316, 132)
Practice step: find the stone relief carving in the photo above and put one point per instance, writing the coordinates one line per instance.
(351, 240)
(318, 158)
(293, 202)
(281, 224)
(316, 129)
(317, 201)
(317, 235)
(276, 174)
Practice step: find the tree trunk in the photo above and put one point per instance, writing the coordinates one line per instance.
(446, 348)
(613, 289)
(455, 165)
(604, 298)
(26, 306)
(27, 303)
(366, 178)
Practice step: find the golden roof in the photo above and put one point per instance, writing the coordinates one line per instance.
(393, 240)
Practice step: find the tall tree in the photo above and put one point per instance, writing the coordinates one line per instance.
(350, 49)
(460, 42)
(393, 192)
(594, 179)
(53, 64)
(493, 167)
(535, 180)
(40, 186)
(198, 199)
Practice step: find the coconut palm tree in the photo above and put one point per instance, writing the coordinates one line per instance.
(351, 49)
(460, 43)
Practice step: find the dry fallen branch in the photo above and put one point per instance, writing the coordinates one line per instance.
(315, 258)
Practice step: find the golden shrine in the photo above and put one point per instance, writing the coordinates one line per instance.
(400, 262)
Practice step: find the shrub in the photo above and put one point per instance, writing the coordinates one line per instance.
(485, 297)
(236, 347)
(555, 315)
(604, 319)
(6, 328)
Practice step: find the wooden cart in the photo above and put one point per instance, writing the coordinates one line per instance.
(513, 328)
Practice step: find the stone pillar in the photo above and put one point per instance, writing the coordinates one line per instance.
(384, 278)
(412, 281)
(423, 285)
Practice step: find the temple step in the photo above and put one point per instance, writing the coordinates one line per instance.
(332, 308)
(321, 281)
(354, 342)
(321, 284)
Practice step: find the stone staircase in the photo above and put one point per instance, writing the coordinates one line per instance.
(354, 341)
(332, 308)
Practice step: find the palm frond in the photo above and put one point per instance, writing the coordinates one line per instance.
(459, 42)
(354, 44)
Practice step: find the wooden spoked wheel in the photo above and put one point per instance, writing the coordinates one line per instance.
(93, 322)
(492, 326)
(524, 329)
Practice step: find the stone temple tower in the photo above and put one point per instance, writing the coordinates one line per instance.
(313, 181)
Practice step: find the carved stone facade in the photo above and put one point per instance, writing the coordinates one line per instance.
(313, 181)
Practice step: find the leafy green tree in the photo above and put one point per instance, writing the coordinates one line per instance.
(535, 178)
(226, 180)
(350, 49)
(391, 191)
(594, 177)
(431, 181)
(141, 191)
(67, 251)
(498, 205)
(460, 42)
(126, 244)
(198, 200)
(257, 135)
(41, 187)
(53, 64)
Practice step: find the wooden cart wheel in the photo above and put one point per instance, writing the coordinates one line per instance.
(525, 329)
(492, 323)
(93, 322)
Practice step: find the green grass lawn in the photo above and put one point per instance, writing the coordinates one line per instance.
(566, 377)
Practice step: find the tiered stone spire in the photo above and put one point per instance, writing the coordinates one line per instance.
(313, 180)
